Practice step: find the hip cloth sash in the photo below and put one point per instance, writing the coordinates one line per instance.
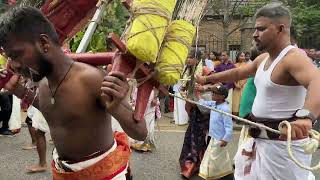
(113, 164)
(256, 132)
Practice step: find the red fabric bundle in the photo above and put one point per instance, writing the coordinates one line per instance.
(69, 16)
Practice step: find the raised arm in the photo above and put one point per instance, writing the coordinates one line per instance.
(233, 75)
(15, 88)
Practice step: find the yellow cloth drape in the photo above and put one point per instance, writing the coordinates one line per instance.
(174, 51)
(150, 21)
(3, 61)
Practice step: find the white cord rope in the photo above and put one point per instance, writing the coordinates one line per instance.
(309, 147)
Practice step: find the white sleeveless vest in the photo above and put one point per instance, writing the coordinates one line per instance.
(276, 101)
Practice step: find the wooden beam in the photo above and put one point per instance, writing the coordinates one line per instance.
(117, 42)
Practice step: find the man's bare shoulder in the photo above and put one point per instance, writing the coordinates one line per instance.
(296, 61)
(296, 55)
(88, 74)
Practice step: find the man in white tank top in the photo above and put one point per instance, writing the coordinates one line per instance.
(287, 89)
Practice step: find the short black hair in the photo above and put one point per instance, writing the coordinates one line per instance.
(26, 23)
(274, 11)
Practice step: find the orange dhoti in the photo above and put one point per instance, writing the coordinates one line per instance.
(109, 167)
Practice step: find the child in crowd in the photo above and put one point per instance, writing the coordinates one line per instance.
(216, 163)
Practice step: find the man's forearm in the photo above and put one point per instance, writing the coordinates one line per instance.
(228, 76)
(26, 94)
(124, 115)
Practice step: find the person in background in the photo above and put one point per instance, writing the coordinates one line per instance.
(194, 144)
(216, 163)
(238, 85)
(5, 113)
(209, 61)
(216, 58)
(248, 57)
(317, 59)
(226, 64)
(41, 128)
(6, 101)
(313, 55)
(32, 131)
(150, 116)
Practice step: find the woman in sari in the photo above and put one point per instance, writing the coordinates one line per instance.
(239, 85)
(195, 143)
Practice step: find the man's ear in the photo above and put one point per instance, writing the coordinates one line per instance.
(281, 28)
(44, 43)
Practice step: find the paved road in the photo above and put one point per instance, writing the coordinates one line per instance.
(160, 165)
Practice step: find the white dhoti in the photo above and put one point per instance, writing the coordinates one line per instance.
(180, 115)
(216, 162)
(244, 135)
(15, 118)
(38, 121)
(150, 118)
(262, 159)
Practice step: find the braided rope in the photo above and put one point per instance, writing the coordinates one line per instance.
(309, 147)
(148, 8)
(174, 38)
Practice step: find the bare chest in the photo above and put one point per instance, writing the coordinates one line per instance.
(69, 104)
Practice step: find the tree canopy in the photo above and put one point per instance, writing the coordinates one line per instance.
(305, 14)
(114, 20)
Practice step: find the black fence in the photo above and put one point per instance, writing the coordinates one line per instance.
(217, 45)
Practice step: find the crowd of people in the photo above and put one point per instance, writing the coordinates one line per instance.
(198, 152)
(262, 85)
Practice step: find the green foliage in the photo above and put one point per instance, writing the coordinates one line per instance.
(250, 8)
(3, 6)
(306, 15)
(114, 20)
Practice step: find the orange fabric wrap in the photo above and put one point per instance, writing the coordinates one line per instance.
(107, 168)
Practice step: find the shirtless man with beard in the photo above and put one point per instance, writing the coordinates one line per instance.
(72, 97)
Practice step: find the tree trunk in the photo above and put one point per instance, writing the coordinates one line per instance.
(225, 36)
(225, 24)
